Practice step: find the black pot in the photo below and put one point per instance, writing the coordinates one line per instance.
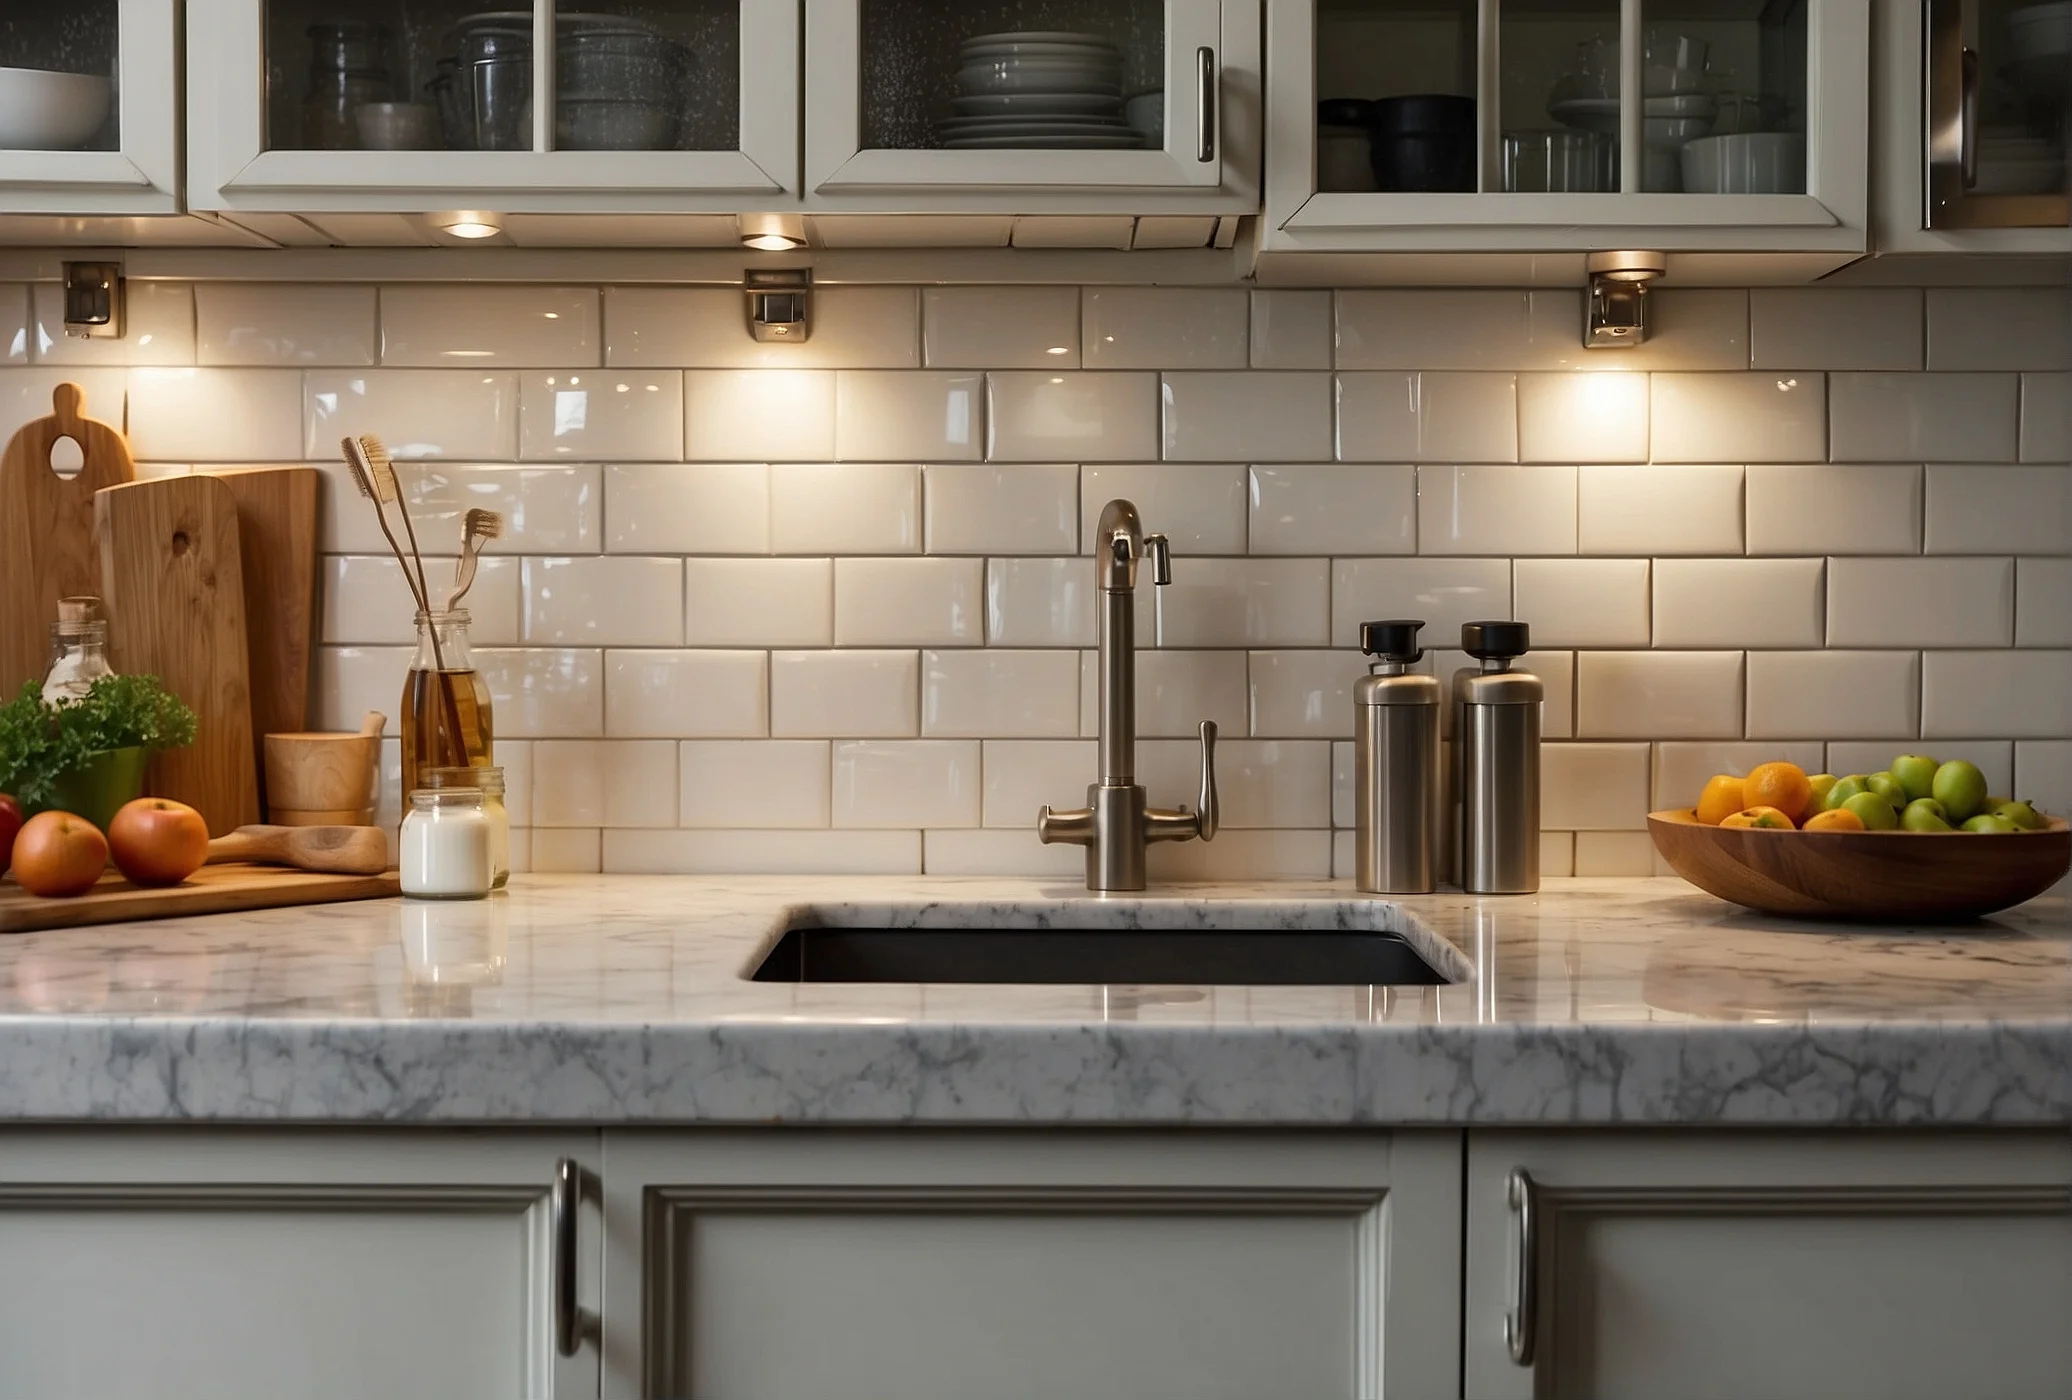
(1423, 144)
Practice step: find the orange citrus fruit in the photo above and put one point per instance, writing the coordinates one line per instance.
(1768, 818)
(1779, 785)
(1840, 819)
(1721, 799)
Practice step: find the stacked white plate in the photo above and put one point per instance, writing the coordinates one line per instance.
(1041, 90)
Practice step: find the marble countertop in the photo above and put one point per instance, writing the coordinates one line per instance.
(622, 999)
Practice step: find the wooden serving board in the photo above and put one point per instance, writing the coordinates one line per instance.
(277, 542)
(213, 889)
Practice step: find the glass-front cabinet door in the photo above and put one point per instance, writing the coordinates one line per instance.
(1550, 125)
(1999, 112)
(424, 104)
(87, 107)
(921, 104)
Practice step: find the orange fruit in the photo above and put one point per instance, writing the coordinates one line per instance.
(1768, 818)
(1840, 819)
(1721, 799)
(1780, 785)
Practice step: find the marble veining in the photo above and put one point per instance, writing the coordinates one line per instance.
(624, 999)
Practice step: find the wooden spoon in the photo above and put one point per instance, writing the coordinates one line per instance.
(328, 850)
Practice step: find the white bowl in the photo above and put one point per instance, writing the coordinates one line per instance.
(44, 111)
(1146, 113)
(1748, 162)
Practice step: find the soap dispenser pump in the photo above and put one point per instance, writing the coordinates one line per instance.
(1396, 778)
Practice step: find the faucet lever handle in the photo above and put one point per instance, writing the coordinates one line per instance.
(1207, 814)
(1160, 553)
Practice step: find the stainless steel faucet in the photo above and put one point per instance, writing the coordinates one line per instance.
(1115, 825)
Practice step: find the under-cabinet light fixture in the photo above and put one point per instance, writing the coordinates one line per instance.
(1615, 312)
(772, 233)
(468, 223)
(780, 303)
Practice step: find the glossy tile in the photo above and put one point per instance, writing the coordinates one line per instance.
(640, 787)
(1201, 509)
(1018, 509)
(1450, 417)
(1416, 328)
(1291, 329)
(1984, 328)
(622, 415)
(845, 694)
(2043, 602)
(1600, 417)
(546, 509)
(1818, 694)
(1023, 775)
(1834, 510)
(612, 600)
(351, 680)
(1000, 327)
(514, 756)
(1860, 328)
(365, 601)
(568, 782)
(925, 782)
(972, 852)
(763, 852)
(890, 416)
(1920, 602)
(701, 328)
(1743, 418)
(1336, 509)
(1583, 602)
(1238, 602)
(25, 395)
(759, 415)
(463, 415)
(213, 415)
(542, 692)
(1999, 510)
(686, 695)
(2046, 431)
(753, 783)
(687, 508)
(1176, 691)
(1304, 694)
(1557, 855)
(1739, 603)
(1245, 855)
(15, 324)
(1557, 673)
(1995, 694)
(999, 692)
(567, 852)
(909, 602)
(759, 602)
(1039, 602)
(1660, 510)
(1614, 854)
(845, 508)
(1243, 416)
(1444, 592)
(1032, 416)
(158, 327)
(1658, 695)
(1681, 769)
(1689, 328)
(1594, 787)
(1924, 417)
(1496, 510)
(1168, 328)
(1261, 783)
(425, 325)
(2043, 773)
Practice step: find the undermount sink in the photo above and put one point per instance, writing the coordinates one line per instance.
(1100, 944)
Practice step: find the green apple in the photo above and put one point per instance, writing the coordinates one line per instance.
(1874, 811)
(2020, 813)
(1987, 825)
(1820, 783)
(1842, 790)
(1961, 789)
(1916, 773)
(1890, 788)
(1925, 814)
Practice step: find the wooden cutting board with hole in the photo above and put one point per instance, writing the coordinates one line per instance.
(47, 527)
(213, 889)
(172, 575)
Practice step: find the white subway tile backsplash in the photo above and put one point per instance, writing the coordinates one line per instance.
(215, 415)
(1859, 328)
(894, 416)
(1599, 417)
(460, 415)
(1039, 602)
(284, 323)
(1985, 328)
(1496, 510)
(365, 600)
(1583, 602)
(640, 783)
(2043, 773)
(909, 602)
(687, 508)
(1658, 694)
(1019, 509)
(1261, 783)
(996, 691)
(1333, 509)
(845, 508)
(1449, 417)
(352, 680)
(429, 326)
(1821, 694)
(1557, 855)
(1659, 510)
(745, 415)
(685, 694)
(1291, 330)
(775, 783)
(1001, 327)
(1247, 416)
(612, 414)
(514, 756)
(569, 781)
(1681, 769)
(1073, 416)
(1184, 328)
(158, 327)
(1995, 694)
(542, 692)
(1739, 602)
(1921, 602)
(1441, 329)
(1237, 602)
(567, 852)
(1594, 787)
(1022, 775)
(759, 602)
(701, 328)
(2042, 603)
(972, 852)
(845, 694)
(608, 600)
(1201, 509)
(1924, 417)
(1244, 855)
(2046, 432)
(923, 782)
(1176, 691)
(744, 852)
(1304, 694)
(1834, 510)
(546, 509)
(1614, 854)
(15, 338)
(1766, 417)
(1444, 592)
(1999, 510)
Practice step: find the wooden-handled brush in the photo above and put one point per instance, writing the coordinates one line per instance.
(479, 528)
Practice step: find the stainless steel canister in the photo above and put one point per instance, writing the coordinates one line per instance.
(1496, 763)
(1398, 821)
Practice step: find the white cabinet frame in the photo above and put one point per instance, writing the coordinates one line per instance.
(1831, 216)
(229, 166)
(140, 176)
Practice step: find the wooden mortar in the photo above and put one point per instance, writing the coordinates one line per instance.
(323, 774)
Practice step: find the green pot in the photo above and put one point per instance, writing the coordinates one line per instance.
(97, 789)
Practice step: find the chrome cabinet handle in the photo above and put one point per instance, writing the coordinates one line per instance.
(1521, 1323)
(1207, 813)
(566, 1204)
(1967, 117)
(1205, 105)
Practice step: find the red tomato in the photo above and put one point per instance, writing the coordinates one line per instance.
(157, 841)
(10, 823)
(58, 854)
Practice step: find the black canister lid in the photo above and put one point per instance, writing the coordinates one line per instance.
(1495, 641)
(1395, 639)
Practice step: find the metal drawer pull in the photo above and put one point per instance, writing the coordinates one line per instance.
(566, 1204)
(1521, 1323)
(1205, 105)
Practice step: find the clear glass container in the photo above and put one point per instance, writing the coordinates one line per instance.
(445, 845)
(78, 651)
(447, 716)
(348, 69)
(491, 783)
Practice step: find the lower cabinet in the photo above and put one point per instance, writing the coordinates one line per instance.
(1700, 1265)
(232, 1264)
(928, 1266)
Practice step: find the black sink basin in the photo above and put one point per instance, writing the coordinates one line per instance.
(1133, 956)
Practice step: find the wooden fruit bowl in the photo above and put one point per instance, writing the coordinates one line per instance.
(1905, 876)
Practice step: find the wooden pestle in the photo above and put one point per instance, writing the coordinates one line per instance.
(329, 850)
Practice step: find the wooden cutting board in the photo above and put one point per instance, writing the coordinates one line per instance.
(277, 539)
(47, 529)
(213, 889)
(172, 575)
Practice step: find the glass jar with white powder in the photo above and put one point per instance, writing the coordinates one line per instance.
(491, 781)
(447, 845)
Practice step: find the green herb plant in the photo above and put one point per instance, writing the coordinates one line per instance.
(40, 744)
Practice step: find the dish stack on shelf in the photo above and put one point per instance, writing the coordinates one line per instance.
(1047, 91)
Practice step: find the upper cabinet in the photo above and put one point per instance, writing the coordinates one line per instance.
(1544, 126)
(408, 105)
(87, 108)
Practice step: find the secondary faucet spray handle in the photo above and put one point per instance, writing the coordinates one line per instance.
(1160, 552)
(1209, 813)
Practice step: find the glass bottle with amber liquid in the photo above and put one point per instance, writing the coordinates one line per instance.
(447, 721)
